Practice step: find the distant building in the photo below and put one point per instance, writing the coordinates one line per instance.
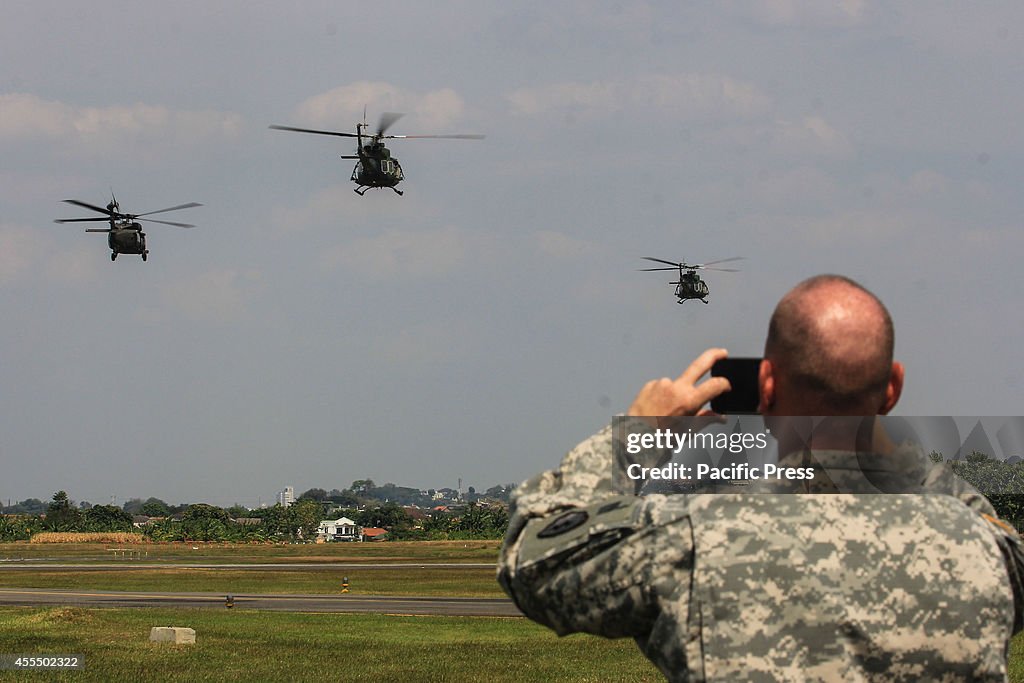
(374, 534)
(341, 529)
(286, 497)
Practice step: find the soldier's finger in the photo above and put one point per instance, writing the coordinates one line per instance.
(701, 366)
(709, 389)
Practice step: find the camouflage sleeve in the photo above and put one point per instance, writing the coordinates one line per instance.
(941, 478)
(578, 553)
(1012, 548)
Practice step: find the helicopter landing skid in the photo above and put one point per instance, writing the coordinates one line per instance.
(397, 191)
(683, 301)
(357, 190)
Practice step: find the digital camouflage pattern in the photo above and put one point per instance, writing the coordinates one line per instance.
(767, 586)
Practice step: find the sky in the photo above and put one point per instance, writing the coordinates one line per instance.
(482, 324)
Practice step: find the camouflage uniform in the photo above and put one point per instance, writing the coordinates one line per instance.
(766, 586)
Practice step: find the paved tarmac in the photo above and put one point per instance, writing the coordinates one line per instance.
(431, 606)
(30, 565)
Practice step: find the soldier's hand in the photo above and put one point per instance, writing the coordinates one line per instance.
(682, 396)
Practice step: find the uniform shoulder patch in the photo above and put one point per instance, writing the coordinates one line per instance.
(563, 523)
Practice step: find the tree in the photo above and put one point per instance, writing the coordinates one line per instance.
(387, 516)
(154, 507)
(319, 495)
(236, 511)
(500, 492)
(343, 498)
(205, 511)
(29, 506)
(107, 518)
(61, 515)
(978, 456)
(305, 517)
(361, 485)
(276, 520)
(133, 506)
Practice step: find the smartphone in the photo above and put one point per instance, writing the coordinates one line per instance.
(742, 376)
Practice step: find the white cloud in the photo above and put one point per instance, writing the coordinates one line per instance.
(809, 136)
(20, 249)
(26, 116)
(218, 295)
(856, 228)
(420, 253)
(688, 96)
(801, 185)
(425, 344)
(26, 251)
(75, 266)
(803, 13)
(561, 246)
(339, 109)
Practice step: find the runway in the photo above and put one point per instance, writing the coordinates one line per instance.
(412, 605)
(35, 565)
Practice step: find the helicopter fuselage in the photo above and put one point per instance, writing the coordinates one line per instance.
(691, 286)
(127, 238)
(376, 168)
(377, 171)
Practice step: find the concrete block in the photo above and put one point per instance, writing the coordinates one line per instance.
(179, 635)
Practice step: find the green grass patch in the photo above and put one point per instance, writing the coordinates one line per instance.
(273, 646)
(1017, 659)
(470, 582)
(247, 646)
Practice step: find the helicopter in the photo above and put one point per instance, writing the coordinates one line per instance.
(690, 285)
(124, 236)
(375, 166)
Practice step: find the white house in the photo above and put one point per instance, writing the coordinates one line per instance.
(342, 529)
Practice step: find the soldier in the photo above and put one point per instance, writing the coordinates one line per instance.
(774, 586)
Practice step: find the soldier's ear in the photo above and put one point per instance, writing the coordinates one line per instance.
(765, 386)
(893, 389)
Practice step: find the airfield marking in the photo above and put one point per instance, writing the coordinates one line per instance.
(415, 605)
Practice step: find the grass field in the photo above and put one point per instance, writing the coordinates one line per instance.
(242, 645)
(466, 582)
(262, 646)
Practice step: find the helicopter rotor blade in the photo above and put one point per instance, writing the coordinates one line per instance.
(173, 208)
(387, 119)
(81, 220)
(441, 137)
(721, 270)
(348, 156)
(97, 229)
(177, 225)
(645, 270)
(723, 260)
(662, 260)
(310, 130)
(88, 206)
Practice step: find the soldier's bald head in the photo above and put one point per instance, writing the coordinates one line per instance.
(830, 344)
